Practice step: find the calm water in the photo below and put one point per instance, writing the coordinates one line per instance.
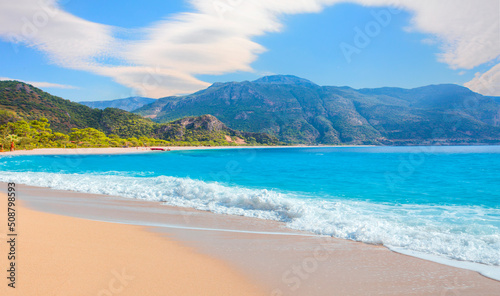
(442, 201)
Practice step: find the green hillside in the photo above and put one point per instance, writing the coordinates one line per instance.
(31, 103)
(22, 103)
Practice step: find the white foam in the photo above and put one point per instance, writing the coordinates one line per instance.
(451, 233)
(492, 272)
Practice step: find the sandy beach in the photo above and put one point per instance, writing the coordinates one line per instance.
(132, 150)
(192, 252)
(58, 255)
(93, 151)
(76, 151)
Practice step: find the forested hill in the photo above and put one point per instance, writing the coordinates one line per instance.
(297, 110)
(20, 101)
(30, 103)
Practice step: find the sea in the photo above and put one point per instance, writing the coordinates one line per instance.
(441, 203)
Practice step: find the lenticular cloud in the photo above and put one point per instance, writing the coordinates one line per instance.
(218, 37)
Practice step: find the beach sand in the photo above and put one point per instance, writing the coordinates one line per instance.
(131, 150)
(188, 249)
(76, 151)
(58, 255)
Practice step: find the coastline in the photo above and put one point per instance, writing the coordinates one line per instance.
(61, 255)
(286, 262)
(133, 150)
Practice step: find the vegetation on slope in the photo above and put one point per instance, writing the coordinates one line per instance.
(37, 134)
(24, 109)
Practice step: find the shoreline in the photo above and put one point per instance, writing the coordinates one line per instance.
(134, 150)
(137, 150)
(61, 255)
(364, 261)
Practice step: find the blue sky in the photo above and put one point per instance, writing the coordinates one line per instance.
(152, 48)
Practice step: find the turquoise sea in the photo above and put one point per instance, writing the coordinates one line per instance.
(437, 201)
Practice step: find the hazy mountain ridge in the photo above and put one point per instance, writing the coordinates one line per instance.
(299, 111)
(127, 104)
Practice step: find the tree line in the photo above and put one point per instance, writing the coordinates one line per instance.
(37, 134)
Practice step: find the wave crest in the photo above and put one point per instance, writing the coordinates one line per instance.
(459, 233)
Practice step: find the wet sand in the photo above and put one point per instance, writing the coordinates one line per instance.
(281, 261)
(61, 255)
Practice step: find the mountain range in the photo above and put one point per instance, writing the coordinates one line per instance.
(297, 110)
(127, 104)
(291, 109)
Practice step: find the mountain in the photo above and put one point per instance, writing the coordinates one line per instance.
(208, 128)
(297, 110)
(127, 104)
(285, 79)
(29, 103)
(20, 101)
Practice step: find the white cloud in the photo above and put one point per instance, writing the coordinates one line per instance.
(469, 34)
(51, 85)
(42, 84)
(218, 37)
(487, 83)
(469, 31)
(68, 40)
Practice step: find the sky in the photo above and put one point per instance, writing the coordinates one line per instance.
(102, 50)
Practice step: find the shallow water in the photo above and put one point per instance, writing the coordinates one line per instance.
(439, 201)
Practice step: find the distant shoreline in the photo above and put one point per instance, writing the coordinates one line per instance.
(134, 150)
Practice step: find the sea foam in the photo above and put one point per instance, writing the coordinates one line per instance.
(453, 232)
